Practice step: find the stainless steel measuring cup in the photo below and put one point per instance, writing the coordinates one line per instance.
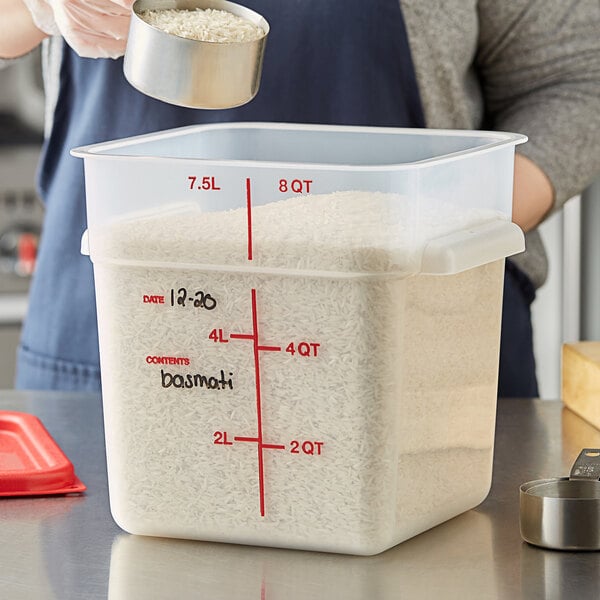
(563, 513)
(192, 73)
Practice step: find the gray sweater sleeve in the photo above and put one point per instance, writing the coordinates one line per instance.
(539, 67)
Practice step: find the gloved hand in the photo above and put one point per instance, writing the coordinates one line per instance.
(42, 15)
(93, 28)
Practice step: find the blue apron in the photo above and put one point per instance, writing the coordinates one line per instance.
(335, 62)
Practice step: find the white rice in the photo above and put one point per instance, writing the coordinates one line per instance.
(347, 232)
(401, 395)
(206, 25)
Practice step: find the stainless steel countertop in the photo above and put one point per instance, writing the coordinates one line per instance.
(69, 547)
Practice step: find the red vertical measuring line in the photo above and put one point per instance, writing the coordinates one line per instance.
(261, 472)
(249, 211)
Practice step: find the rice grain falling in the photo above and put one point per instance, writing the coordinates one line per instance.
(205, 25)
(396, 398)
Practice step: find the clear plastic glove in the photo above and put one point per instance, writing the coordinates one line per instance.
(93, 28)
(43, 16)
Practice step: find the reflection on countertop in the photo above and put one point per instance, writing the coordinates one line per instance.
(461, 550)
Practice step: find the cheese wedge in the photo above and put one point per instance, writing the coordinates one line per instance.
(581, 380)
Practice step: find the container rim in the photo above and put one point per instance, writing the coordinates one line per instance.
(108, 150)
(232, 7)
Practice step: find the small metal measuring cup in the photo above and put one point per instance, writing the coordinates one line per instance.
(563, 513)
(193, 73)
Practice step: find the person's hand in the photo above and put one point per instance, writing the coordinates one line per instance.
(533, 194)
(93, 28)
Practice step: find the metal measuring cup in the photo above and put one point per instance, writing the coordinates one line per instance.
(563, 513)
(193, 73)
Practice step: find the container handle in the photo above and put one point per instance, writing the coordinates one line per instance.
(472, 247)
(85, 243)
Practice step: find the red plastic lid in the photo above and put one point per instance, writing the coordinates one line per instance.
(31, 463)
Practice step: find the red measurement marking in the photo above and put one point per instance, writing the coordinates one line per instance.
(249, 209)
(257, 349)
(261, 471)
(239, 438)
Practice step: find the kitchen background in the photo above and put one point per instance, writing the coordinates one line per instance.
(566, 309)
(21, 212)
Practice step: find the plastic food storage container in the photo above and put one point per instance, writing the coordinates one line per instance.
(299, 328)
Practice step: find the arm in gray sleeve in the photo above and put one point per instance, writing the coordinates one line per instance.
(539, 62)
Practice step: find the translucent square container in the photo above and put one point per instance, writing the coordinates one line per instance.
(299, 328)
